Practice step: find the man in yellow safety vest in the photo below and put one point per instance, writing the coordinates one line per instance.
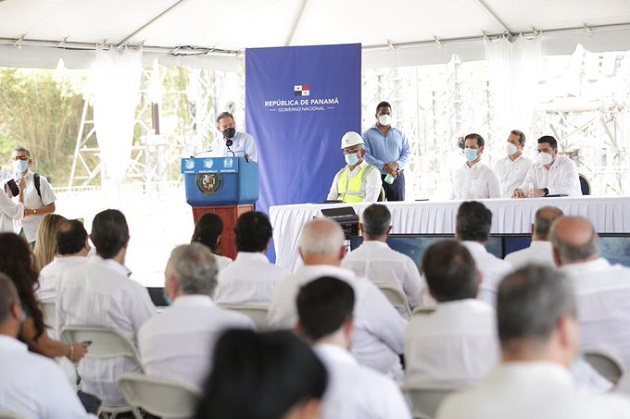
(358, 181)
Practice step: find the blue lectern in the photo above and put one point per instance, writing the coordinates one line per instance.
(226, 186)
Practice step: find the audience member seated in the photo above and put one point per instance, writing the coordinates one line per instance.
(379, 335)
(602, 289)
(472, 229)
(539, 251)
(16, 261)
(178, 343)
(30, 384)
(457, 344)
(251, 278)
(208, 231)
(100, 293)
(325, 308)
(73, 246)
(45, 247)
(263, 376)
(375, 260)
(539, 335)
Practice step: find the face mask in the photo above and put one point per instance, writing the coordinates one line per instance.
(471, 154)
(229, 133)
(20, 166)
(352, 159)
(384, 120)
(545, 158)
(511, 149)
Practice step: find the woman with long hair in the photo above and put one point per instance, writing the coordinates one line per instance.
(17, 261)
(46, 240)
(208, 231)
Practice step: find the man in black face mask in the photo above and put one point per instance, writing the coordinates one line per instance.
(232, 143)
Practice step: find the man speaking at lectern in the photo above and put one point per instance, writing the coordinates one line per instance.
(233, 143)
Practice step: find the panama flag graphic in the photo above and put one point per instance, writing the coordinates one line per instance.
(301, 90)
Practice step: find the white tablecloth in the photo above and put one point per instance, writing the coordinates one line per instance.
(510, 216)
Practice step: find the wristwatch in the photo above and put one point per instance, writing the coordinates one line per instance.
(545, 192)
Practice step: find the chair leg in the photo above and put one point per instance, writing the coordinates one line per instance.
(136, 413)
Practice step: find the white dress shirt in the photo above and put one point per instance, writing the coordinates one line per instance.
(250, 279)
(50, 274)
(561, 178)
(603, 299)
(179, 343)
(476, 182)
(373, 183)
(526, 390)
(538, 252)
(242, 144)
(379, 329)
(379, 263)
(453, 346)
(492, 268)
(9, 211)
(34, 386)
(512, 173)
(357, 392)
(222, 261)
(99, 293)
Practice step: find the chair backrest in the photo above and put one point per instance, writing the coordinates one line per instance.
(105, 343)
(604, 364)
(424, 402)
(585, 185)
(423, 310)
(49, 309)
(11, 415)
(397, 298)
(257, 313)
(159, 396)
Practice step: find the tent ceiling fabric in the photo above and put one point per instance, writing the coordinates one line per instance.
(233, 25)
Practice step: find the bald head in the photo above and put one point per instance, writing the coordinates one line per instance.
(544, 218)
(574, 240)
(321, 238)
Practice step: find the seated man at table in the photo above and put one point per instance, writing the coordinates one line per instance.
(358, 181)
(475, 180)
(551, 174)
(513, 168)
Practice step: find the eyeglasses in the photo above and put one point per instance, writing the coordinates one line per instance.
(19, 158)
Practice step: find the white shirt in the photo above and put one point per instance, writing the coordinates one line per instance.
(603, 299)
(453, 346)
(512, 173)
(373, 183)
(561, 178)
(379, 329)
(250, 279)
(99, 293)
(179, 343)
(50, 274)
(9, 211)
(242, 144)
(357, 392)
(527, 390)
(34, 386)
(32, 200)
(538, 252)
(492, 268)
(222, 261)
(476, 182)
(379, 263)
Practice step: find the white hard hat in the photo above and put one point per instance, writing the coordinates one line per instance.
(351, 138)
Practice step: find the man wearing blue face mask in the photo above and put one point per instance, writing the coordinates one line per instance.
(358, 181)
(38, 199)
(475, 180)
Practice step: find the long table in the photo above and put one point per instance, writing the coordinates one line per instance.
(509, 216)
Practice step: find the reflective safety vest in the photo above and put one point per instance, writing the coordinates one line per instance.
(353, 190)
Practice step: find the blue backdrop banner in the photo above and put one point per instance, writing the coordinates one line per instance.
(299, 103)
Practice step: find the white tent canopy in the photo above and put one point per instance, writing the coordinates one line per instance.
(202, 33)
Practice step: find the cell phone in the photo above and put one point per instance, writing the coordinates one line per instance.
(15, 191)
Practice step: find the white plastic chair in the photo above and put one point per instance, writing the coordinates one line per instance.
(424, 402)
(605, 364)
(105, 344)
(258, 313)
(159, 396)
(11, 415)
(397, 298)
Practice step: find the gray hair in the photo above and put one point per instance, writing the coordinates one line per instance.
(8, 296)
(321, 236)
(376, 220)
(544, 218)
(530, 302)
(570, 252)
(195, 268)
